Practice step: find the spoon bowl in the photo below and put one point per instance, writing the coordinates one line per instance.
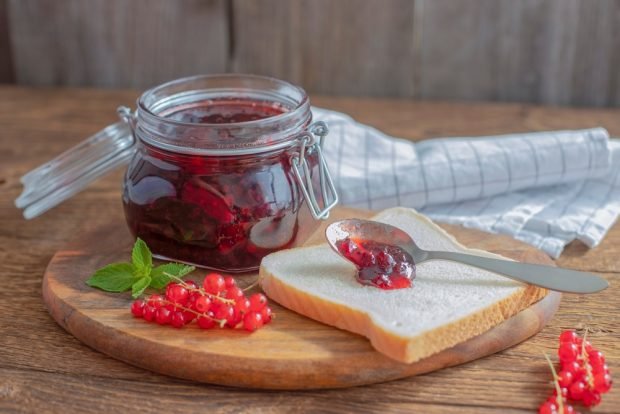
(549, 277)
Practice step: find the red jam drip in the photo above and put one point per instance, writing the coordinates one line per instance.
(223, 111)
(222, 212)
(381, 265)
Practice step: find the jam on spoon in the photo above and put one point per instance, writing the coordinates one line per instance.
(381, 265)
(372, 238)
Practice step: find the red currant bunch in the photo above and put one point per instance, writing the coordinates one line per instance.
(583, 375)
(218, 302)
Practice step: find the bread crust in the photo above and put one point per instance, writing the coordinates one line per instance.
(401, 348)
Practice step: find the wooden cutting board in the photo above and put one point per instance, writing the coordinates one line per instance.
(293, 352)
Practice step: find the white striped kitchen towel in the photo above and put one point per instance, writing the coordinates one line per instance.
(545, 188)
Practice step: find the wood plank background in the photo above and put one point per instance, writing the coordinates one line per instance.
(564, 52)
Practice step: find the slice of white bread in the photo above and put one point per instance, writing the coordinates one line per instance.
(448, 304)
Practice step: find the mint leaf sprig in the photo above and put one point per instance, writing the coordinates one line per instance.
(139, 274)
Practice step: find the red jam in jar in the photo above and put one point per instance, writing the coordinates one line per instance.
(226, 111)
(381, 265)
(213, 180)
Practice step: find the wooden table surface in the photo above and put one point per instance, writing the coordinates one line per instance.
(44, 369)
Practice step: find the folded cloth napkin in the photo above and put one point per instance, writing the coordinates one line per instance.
(545, 188)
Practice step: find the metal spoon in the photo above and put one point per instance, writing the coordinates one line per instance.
(554, 278)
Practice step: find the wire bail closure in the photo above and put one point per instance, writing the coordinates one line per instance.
(125, 114)
(309, 145)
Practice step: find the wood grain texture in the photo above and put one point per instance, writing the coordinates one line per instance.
(539, 51)
(293, 352)
(548, 51)
(138, 43)
(51, 392)
(545, 51)
(345, 47)
(44, 369)
(6, 55)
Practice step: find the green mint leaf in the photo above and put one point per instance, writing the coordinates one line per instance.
(117, 277)
(160, 277)
(139, 274)
(138, 287)
(142, 258)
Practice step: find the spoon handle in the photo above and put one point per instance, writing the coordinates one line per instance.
(554, 278)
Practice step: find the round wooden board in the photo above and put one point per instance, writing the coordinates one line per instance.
(293, 352)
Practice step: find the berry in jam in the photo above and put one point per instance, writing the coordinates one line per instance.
(381, 265)
(221, 212)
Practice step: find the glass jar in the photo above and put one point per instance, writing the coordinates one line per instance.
(224, 169)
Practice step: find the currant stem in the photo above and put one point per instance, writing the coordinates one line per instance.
(558, 390)
(176, 278)
(251, 286)
(586, 361)
(221, 322)
(200, 290)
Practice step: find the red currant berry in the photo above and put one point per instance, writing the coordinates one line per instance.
(568, 336)
(266, 314)
(149, 313)
(190, 284)
(191, 300)
(193, 297)
(596, 359)
(188, 316)
(591, 398)
(242, 305)
(257, 302)
(206, 322)
(203, 304)
(547, 408)
(600, 369)
(214, 283)
(163, 316)
(565, 378)
(568, 351)
(235, 319)
(137, 308)
(178, 319)
(224, 312)
(170, 307)
(553, 400)
(234, 293)
(252, 321)
(602, 382)
(568, 409)
(229, 282)
(574, 368)
(215, 305)
(156, 301)
(177, 293)
(576, 390)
